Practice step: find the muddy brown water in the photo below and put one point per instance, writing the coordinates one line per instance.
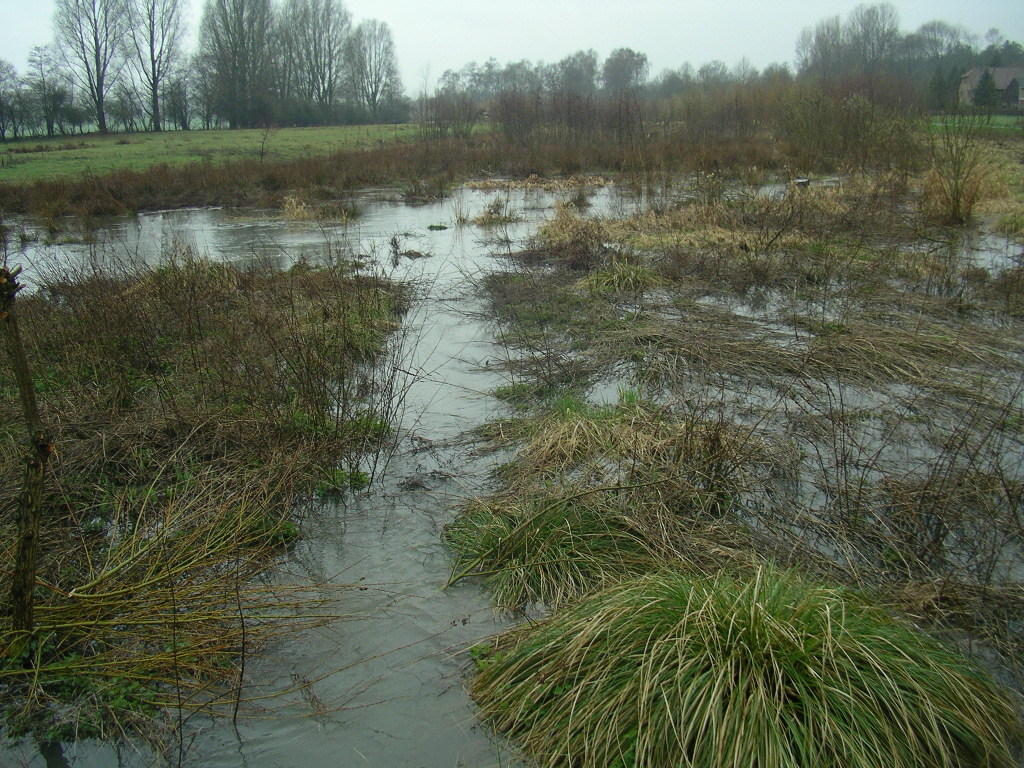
(383, 686)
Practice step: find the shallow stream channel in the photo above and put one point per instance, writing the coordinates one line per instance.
(384, 684)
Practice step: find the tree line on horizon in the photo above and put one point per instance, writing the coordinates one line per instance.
(120, 63)
(847, 70)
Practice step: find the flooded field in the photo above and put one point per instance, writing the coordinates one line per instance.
(383, 685)
(800, 376)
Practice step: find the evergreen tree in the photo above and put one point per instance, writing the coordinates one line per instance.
(938, 90)
(986, 95)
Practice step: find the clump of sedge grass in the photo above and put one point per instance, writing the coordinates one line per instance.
(580, 241)
(156, 604)
(633, 442)
(546, 548)
(600, 493)
(769, 671)
(621, 276)
(296, 208)
(496, 212)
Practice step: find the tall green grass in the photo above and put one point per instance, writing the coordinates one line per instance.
(768, 671)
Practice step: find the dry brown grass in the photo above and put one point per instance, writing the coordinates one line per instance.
(577, 240)
(964, 171)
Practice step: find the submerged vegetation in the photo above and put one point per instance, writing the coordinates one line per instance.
(192, 405)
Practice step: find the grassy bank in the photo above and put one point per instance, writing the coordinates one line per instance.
(191, 407)
(819, 395)
(264, 167)
(30, 160)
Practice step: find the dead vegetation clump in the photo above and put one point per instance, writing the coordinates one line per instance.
(918, 352)
(571, 183)
(617, 444)
(702, 339)
(148, 602)
(496, 213)
(297, 207)
(953, 518)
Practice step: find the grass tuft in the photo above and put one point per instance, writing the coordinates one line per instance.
(496, 213)
(601, 493)
(620, 277)
(768, 671)
(546, 548)
(577, 240)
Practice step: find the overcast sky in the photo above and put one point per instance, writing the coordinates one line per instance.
(434, 35)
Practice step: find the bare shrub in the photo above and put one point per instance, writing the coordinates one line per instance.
(959, 169)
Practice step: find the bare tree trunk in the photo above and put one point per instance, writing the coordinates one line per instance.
(155, 110)
(36, 458)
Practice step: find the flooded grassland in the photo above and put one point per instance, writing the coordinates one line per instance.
(780, 424)
(335, 367)
(730, 402)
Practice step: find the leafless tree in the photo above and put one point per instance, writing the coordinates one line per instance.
(864, 44)
(372, 66)
(820, 50)
(155, 32)
(573, 87)
(46, 80)
(872, 32)
(91, 33)
(623, 73)
(939, 39)
(203, 89)
(8, 96)
(235, 43)
(316, 32)
(176, 99)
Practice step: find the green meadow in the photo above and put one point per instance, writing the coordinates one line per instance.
(35, 159)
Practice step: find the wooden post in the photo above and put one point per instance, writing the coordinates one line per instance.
(38, 454)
